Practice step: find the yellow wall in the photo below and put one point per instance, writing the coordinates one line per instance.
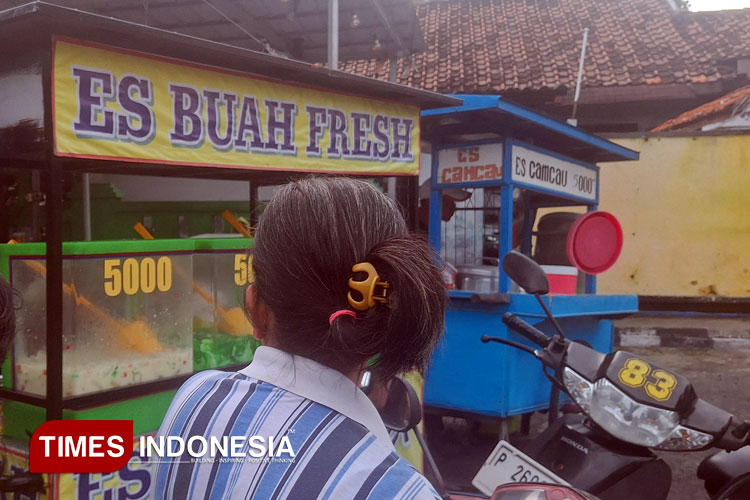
(685, 212)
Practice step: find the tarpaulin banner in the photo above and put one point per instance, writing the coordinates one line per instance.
(112, 103)
(131, 481)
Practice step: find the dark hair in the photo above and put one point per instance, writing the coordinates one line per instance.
(7, 317)
(311, 234)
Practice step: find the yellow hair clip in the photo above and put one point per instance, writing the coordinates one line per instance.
(372, 289)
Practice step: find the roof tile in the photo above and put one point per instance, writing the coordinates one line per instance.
(688, 118)
(498, 45)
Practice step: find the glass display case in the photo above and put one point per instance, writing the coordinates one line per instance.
(126, 314)
(222, 269)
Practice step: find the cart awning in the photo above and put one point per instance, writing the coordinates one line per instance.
(487, 117)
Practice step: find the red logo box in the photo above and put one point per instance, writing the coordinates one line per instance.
(81, 446)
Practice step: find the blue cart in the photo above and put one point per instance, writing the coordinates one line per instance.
(505, 177)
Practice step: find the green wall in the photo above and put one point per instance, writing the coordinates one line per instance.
(113, 219)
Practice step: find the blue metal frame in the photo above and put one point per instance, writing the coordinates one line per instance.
(506, 217)
(481, 142)
(434, 234)
(471, 184)
(590, 284)
(470, 103)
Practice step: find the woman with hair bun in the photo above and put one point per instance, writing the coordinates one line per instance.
(339, 282)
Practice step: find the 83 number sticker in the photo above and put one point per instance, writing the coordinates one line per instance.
(659, 384)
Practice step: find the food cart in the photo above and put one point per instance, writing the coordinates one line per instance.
(530, 178)
(112, 329)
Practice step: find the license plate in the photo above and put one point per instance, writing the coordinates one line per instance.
(507, 464)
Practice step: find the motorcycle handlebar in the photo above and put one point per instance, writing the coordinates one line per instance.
(536, 336)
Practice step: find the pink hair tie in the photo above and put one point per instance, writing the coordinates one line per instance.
(341, 312)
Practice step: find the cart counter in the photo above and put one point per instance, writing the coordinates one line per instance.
(468, 376)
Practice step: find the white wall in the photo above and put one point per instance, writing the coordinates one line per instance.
(20, 98)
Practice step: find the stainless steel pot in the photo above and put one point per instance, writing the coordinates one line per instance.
(478, 278)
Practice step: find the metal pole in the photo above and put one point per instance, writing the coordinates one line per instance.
(54, 292)
(54, 254)
(86, 206)
(253, 216)
(393, 70)
(412, 201)
(36, 215)
(580, 73)
(391, 188)
(333, 34)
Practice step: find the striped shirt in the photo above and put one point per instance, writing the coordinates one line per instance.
(340, 447)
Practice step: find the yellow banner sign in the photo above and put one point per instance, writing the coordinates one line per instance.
(111, 103)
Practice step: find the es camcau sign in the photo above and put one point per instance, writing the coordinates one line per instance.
(553, 173)
(474, 163)
(483, 164)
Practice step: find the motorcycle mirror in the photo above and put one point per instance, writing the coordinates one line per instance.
(538, 491)
(526, 272)
(402, 411)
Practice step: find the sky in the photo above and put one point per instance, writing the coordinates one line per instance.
(718, 4)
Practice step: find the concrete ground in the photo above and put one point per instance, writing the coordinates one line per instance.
(720, 376)
(718, 332)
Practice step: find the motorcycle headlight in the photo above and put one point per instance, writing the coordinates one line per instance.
(623, 417)
(629, 420)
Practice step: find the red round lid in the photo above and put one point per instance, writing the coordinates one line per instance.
(594, 242)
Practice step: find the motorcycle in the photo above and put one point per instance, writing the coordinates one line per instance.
(402, 412)
(628, 407)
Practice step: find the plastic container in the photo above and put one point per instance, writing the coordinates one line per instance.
(563, 280)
